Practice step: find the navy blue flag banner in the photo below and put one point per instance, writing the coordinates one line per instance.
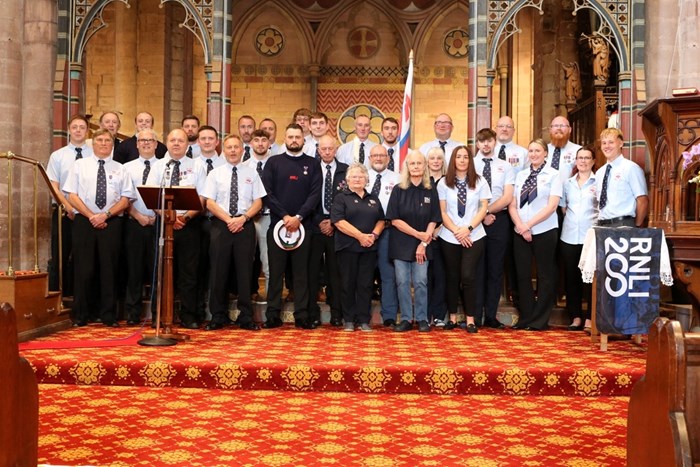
(628, 263)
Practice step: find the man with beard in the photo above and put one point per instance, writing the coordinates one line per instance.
(233, 193)
(381, 182)
(190, 125)
(500, 176)
(246, 126)
(561, 153)
(261, 154)
(390, 135)
(319, 127)
(293, 184)
(359, 148)
(269, 126)
(187, 229)
(323, 257)
(128, 149)
(443, 133)
(506, 149)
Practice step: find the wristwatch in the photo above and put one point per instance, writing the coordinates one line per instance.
(108, 214)
(298, 216)
(470, 228)
(425, 244)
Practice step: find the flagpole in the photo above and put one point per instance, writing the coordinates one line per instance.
(406, 111)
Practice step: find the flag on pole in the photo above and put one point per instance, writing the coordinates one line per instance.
(405, 131)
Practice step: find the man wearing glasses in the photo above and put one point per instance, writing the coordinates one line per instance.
(561, 153)
(128, 150)
(506, 149)
(443, 132)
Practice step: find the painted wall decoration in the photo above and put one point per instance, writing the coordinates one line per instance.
(456, 43)
(346, 122)
(363, 42)
(269, 42)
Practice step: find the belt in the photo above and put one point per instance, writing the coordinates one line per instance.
(326, 216)
(614, 220)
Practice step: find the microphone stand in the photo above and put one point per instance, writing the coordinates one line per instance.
(157, 341)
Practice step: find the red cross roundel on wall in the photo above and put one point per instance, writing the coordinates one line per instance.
(363, 42)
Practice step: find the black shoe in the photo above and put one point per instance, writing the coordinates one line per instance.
(132, 322)
(575, 328)
(389, 323)
(191, 325)
(316, 322)
(423, 326)
(403, 326)
(113, 324)
(214, 326)
(272, 323)
(337, 322)
(472, 329)
(449, 325)
(493, 323)
(79, 324)
(250, 326)
(305, 324)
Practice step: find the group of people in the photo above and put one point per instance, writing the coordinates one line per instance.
(440, 228)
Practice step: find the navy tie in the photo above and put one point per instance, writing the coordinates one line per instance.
(487, 170)
(362, 153)
(175, 177)
(101, 193)
(502, 152)
(377, 187)
(78, 153)
(327, 189)
(189, 152)
(604, 192)
(210, 166)
(259, 169)
(146, 171)
(529, 190)
(390, 151)
(246, 156)
(233, 194)
(318, 155)
(555, 158)
(442, 145)
(461, 197)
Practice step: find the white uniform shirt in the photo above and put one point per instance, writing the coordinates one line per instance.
(449, 147)
(135, 170)
(310, 147)
(516, 155)
(474, 197)
(625, 184)
(191, 174)
(581, 209)
(349, 152)
(502, 174)
(324, 170)
(388, 180)
(61, 162)
(395, 157)
(548, 184)
(567, 159)
(216, 160)
(276, 149)
(218, 187)
(253, 164)
(83, 182)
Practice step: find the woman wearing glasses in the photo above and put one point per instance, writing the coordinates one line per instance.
(580, 207)
(534, 212)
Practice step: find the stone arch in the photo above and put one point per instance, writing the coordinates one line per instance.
(404, 36)
(430, 26)
(93, 22)
(507, 27)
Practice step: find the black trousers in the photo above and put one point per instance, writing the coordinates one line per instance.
(437, 287)
(66, 250)
(492, 267)
(461, 266)
(228, 249)
(356, 277)
(140, 250)
(185, 268)
(96, 251)
(542, 252)
(323, 260)
(576, 289)
(203, 270)
(299, 263)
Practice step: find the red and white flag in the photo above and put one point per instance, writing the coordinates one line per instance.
(405, 131)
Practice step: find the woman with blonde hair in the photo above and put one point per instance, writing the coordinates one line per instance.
(414, 212)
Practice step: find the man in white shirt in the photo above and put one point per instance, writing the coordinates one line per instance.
(358, 149)
(506, 149)
(561, 153)
(500, 176)
(443, 133)
(246, 126)
(59, 168)
(620, 185)
(390, 137)
(381, 182)
(302, 117)
(319, 127)
(190, 125)
(233, 193)
(100, 190)
(269, 126)
(176, 169)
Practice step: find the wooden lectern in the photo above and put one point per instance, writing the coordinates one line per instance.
(174, 198)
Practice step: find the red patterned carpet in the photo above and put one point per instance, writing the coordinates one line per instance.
(440, 362)
(136, 426)
(492, 362)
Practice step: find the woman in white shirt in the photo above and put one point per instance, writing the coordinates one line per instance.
(464, 198)
(580, 206)
(534, 212)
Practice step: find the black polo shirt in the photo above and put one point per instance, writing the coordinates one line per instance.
(362, 212)
(417, 206)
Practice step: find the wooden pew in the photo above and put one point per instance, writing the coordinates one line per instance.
(663, 422)
(19, 399)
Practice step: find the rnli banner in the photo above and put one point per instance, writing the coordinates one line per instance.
(628, 263)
